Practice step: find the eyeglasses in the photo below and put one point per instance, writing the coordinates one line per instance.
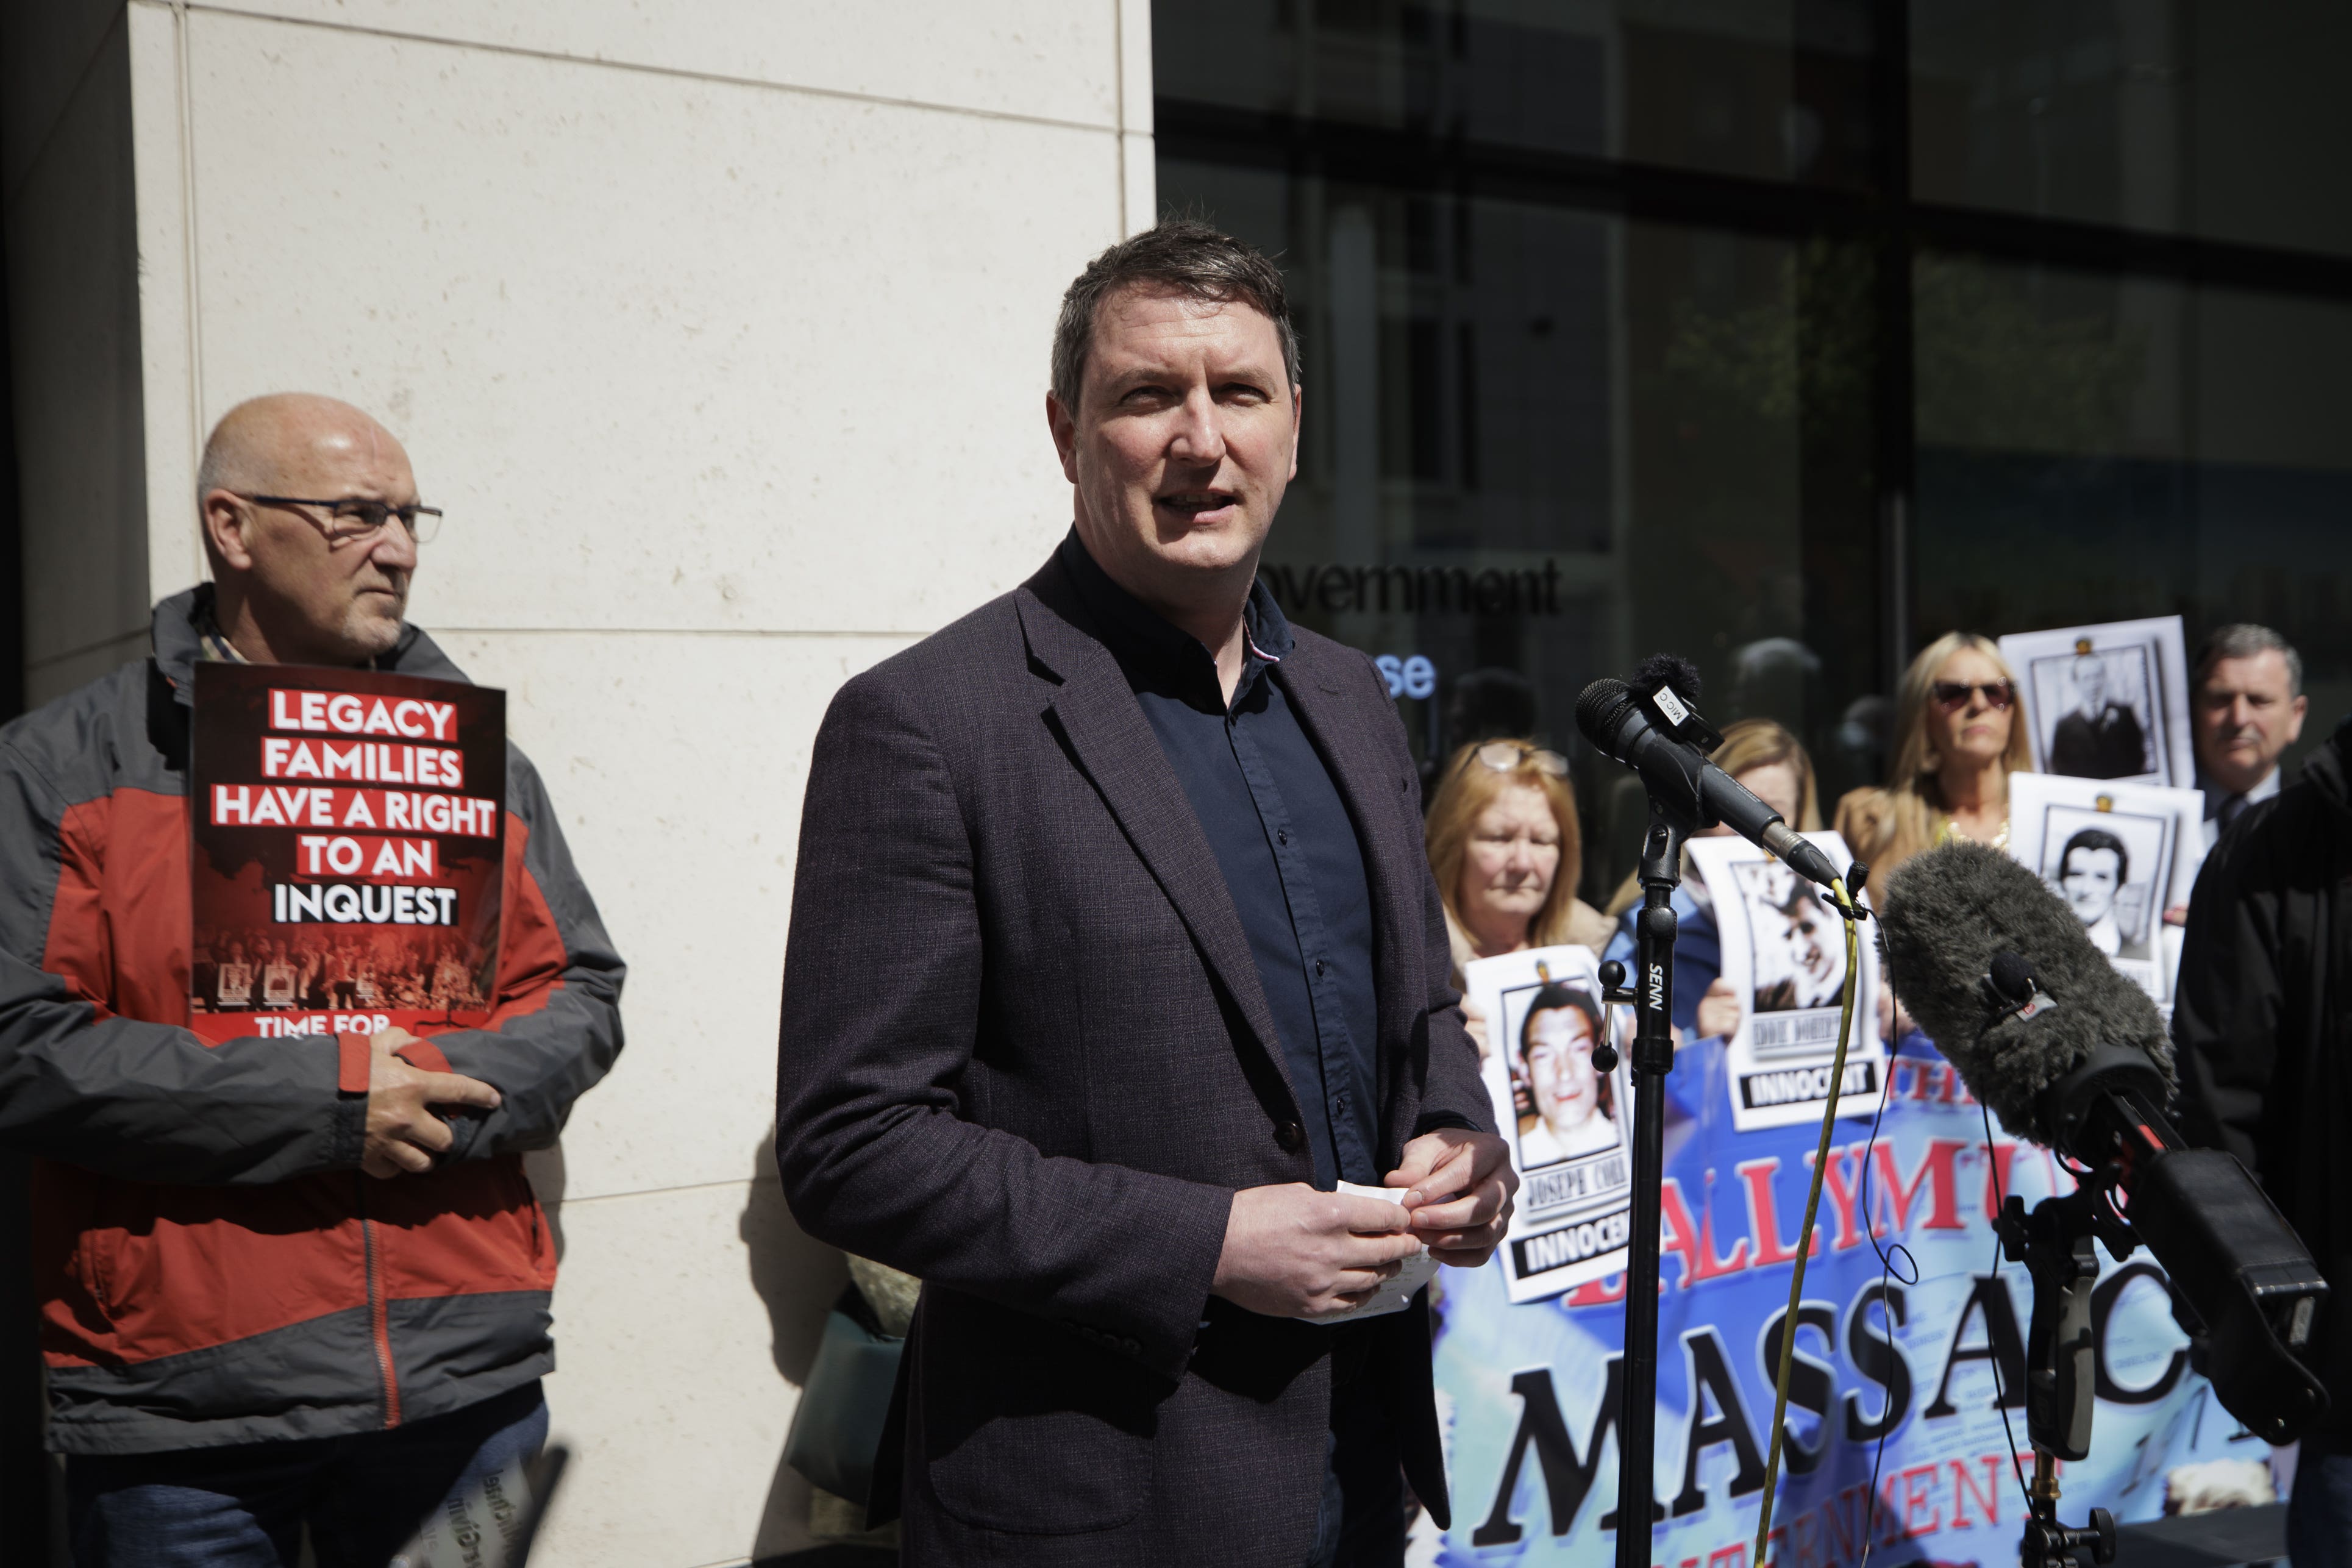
(1504, 756)
(1955, 693)
(355, 517)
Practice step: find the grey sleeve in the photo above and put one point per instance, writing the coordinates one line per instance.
(142, 1101)
(876, 1150)
(556, 1023)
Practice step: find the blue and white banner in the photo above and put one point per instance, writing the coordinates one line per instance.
(1926, 1355)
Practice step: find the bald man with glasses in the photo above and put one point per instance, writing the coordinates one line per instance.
(290, 1283)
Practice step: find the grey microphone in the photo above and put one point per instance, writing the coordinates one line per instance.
(1951, 913)
(2067, 1052)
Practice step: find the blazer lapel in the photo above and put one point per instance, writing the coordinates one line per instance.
(1343, 725)
(1098, 715)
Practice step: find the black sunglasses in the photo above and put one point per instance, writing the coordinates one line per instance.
(1955, 693)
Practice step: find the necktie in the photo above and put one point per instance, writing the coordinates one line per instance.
(2229, 810)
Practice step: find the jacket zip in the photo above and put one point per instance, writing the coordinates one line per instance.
(379, 1314)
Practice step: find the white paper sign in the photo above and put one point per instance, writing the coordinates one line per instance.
(2108, 701)
(1784, 955)
(1570, 1127)
(2120, 855)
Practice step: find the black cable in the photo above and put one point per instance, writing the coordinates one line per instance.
(1885, 1273)
(2000, 1397)
(1792, 1319)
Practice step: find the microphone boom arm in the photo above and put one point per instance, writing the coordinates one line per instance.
(2053, 1242)
(2243, 1286)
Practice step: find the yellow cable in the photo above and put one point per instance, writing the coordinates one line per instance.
(1812, 1207)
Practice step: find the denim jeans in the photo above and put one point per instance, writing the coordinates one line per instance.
(2319, 1516)
(362, 1496)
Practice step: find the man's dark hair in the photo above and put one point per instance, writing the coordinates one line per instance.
(1180, 255)
(2244, 640)
(2097, 839)
(1553, 998)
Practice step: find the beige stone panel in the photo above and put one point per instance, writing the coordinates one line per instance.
(677, 765)
(1135, 65)
(170, 352)
(1141, 190)
(1051, 60)
(673, 353)
(684, 1324)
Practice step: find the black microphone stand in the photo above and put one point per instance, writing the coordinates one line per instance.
(2053, 1242)
(1652, 997)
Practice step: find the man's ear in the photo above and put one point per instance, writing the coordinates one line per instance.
(1297, 408)
(225, 518)
(1062, 423)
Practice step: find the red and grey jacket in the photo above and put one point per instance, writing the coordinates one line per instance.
(212, 1265)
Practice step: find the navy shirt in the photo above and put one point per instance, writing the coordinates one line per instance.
(1284, 842)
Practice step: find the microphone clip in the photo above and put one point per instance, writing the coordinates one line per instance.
(1679, 718)
(2013, 991)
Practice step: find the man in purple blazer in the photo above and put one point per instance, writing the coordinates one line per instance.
(1114, 953)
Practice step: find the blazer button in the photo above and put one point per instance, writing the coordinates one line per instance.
(1291, 1136)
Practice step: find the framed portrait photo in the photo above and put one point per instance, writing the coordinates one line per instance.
(2121, 855)
(1569, 1124)
(2107, 701)
(1784, 955)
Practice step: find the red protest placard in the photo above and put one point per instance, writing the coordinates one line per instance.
(347, 847)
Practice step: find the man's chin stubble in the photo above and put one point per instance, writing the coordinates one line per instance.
(374, 634)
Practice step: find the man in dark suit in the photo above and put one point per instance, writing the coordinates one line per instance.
(2100, 740)
(1114, 950)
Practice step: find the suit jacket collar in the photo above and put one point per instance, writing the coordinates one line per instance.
(1345, 712)
(1107, 733)
(1138, 637)
(1341, 708)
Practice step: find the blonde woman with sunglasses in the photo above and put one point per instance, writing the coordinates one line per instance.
(1503, 841)
(1957, 740)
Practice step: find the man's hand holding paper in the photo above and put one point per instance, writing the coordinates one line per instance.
(1292, 1251)
(1459, 1184)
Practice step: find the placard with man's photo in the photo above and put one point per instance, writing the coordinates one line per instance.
(1784, 956)
(2121, 855)
(1569, 1124)
(2108, 701)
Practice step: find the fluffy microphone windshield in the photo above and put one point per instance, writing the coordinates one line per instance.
(1949, 911)
(1669, 670)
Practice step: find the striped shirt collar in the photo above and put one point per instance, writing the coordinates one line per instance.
(211, 644)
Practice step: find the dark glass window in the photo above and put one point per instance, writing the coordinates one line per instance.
(2098, 447)
(2224, 121)
(1785, 336)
